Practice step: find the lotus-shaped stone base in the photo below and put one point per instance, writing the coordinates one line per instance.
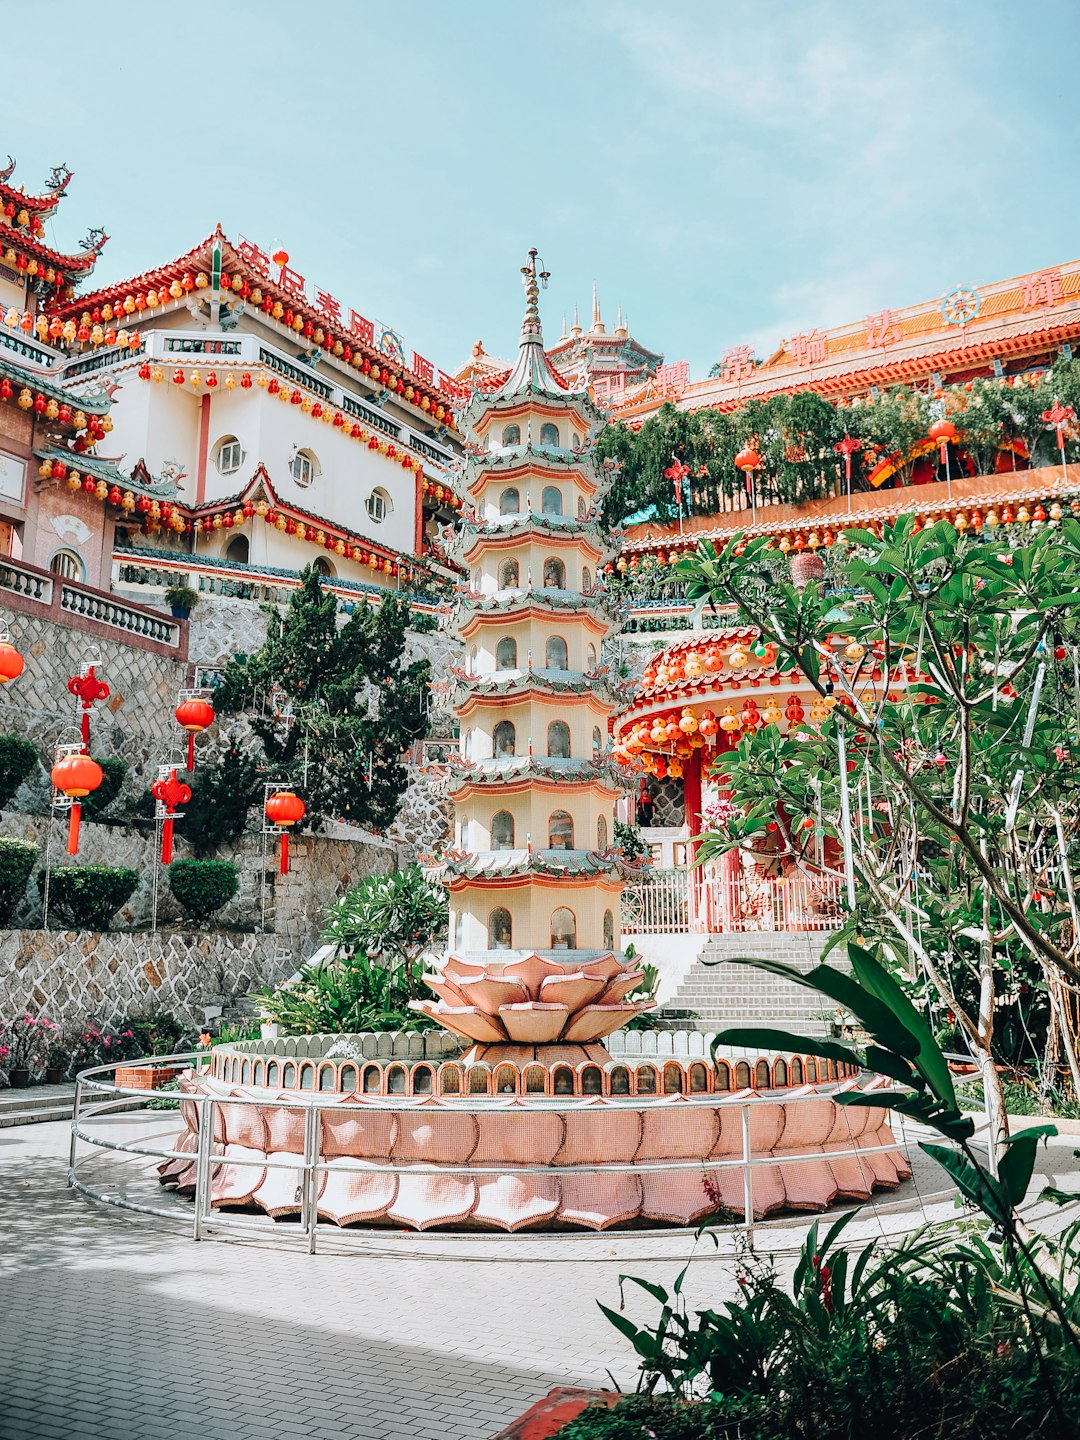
(533, 999)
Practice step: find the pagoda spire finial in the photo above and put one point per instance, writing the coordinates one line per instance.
(531, 333)
(595, 308)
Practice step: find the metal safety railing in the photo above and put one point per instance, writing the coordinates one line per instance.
(681, 902)
(311, 1163)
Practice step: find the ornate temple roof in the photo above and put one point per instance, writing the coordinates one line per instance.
(533, 375)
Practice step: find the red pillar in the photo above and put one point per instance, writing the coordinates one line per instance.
(204, 447)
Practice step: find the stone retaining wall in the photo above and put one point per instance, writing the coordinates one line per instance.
(72, 976)
(322, 868)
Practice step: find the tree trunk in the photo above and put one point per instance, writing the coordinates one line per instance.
(996, 1117)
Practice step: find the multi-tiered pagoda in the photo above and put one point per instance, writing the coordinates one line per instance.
(534, 880)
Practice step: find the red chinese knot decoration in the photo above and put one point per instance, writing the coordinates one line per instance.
(170, 792)
(88, 690)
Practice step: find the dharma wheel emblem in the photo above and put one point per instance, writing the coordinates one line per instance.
(961, 305)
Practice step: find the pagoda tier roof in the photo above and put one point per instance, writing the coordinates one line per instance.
(557, 864)
(139, 482)
(498, 533)
(42, 205)
(73, 266)
(28, 378)
(509, 603)
(261, 485)
(1008, 319)
(513, 770)
(836, 513)
(518, 685)
(532, 376)
(200, 259)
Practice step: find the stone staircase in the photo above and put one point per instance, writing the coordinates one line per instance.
(716, 994)
(40, 1103)
(47, 1102)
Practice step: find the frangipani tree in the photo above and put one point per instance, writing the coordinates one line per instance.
(945, 764)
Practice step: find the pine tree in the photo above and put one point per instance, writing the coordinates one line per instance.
(221, 799)
(334, 707)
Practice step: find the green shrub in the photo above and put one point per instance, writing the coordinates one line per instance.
(388, 916)
(221, 796)
(17, 859)
(203, 886)
(17, 759)
(98, 801)
(350, 994)
(152, 1032)
(88, 896)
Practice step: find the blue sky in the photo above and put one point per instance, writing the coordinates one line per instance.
(730, 172)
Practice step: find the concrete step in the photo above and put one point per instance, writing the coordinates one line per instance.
(42, 1103)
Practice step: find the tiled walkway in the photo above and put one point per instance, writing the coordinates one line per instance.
(118, 1327)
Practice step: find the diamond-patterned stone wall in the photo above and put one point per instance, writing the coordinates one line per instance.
(73, 976)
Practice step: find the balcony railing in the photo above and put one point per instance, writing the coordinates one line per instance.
(151, 573)
(683, 902)
(31, 590)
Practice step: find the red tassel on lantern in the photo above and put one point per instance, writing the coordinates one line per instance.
(76, 776)
(283, 809)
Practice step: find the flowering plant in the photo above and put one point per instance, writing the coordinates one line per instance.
(27, 1039)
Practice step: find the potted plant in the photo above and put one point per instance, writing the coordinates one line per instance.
(156, 1032)
(57, 1060)
(181, 600)
(27, 1039)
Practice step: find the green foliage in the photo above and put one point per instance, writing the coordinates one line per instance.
(88, 896)
(335, 708)
(796, 435)
(924, 1339)
(17, 760)
(944, 757)
(17, 860)
(203, 886)
(348, 994)
(628, 840)
(98, 801)
(221, 799)
(181, 598)
(388, 917)
(155, 1031)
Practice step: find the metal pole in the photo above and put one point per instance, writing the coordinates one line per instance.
(748, 1176)
(202, 1165)
(74, 1138)
(309, 1211)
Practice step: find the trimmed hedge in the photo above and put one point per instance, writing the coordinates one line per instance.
(17, 860)
(17, 759)
(203, 886)
(88, 896)
(99, 800)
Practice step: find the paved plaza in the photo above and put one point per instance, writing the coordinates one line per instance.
(119, 1327)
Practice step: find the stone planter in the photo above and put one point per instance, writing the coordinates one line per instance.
(558, 1407)
(270, 1030)
(144, 1077)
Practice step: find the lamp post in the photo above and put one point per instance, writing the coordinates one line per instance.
(748, 460)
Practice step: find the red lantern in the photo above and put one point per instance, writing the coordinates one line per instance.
(194, 716)
(172, 793)
(76, 777)
(748, 459)
(284, 809)
(11, 662)
(942, 432)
